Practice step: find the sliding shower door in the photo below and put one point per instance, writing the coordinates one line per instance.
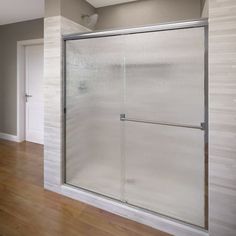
(164, 110)
(94, 82)
(134, 121)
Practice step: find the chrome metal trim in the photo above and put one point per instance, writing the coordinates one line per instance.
(64, 133)
(201, 127)
(144, 29)
(206, 136)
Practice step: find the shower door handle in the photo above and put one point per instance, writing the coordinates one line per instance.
(28, 96)
(202, 125)
(122, 117)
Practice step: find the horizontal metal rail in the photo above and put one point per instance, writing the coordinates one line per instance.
(145, 29)
(201, 127)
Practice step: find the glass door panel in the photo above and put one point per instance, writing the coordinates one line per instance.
(165, 170)
(165, 76)
(165, 84)
(148, 78)
(94, 73)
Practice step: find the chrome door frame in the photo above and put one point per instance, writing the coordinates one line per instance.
(144, 29)
(197, 23)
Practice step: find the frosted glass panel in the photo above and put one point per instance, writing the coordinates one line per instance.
(165, 170)
(157, 77)
(165, 76)
(93, 98)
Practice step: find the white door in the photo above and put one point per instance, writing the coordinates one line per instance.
(34, 94)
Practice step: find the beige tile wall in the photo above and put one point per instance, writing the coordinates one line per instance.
(222, 85)
(54, 28)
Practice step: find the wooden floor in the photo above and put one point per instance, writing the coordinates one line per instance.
(27, 209)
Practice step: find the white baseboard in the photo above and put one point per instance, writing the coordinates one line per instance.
(9, 137)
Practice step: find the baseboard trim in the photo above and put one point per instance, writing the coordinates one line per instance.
(9, 137)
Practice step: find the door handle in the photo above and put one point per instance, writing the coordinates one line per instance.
(122, 117)
(28, 96)
(201, 127)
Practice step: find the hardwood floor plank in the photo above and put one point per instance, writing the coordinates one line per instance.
(26, 208)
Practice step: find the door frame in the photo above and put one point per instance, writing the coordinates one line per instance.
(152, 219)
(21, 70)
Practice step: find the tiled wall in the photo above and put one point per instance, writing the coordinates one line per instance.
(54, 28)
(222, 85)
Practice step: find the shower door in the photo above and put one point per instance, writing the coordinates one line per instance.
(164, 112)
(94, 75)
(134, 122)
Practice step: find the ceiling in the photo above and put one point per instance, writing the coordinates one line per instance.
(104, 3)
(12, 11)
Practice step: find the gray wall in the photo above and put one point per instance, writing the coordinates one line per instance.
(205, 9)
(147, 12)
(126, 15)
(52, 8)
(10, 34)
(71, 9)
(143, 12)
(74, 9)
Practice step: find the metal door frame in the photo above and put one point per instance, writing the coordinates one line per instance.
(198, 23)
